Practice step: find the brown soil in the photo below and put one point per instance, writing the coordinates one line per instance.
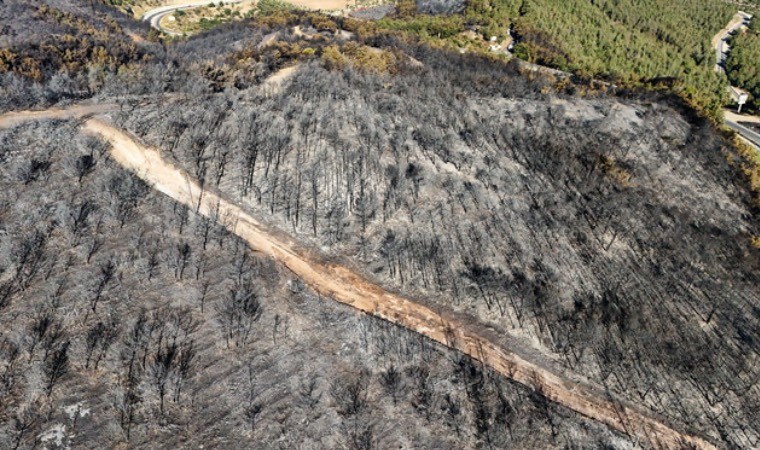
(12, 119)
(321, 4)
(275, 81)
(732, 116)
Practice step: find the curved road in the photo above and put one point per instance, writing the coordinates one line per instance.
(720, 40)
(720, 43)
(154, 16)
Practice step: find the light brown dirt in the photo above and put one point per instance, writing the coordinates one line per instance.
(274, 83)
(346, 286)
(12, 119)
(732, 116)
(136, 38)
(321, 4)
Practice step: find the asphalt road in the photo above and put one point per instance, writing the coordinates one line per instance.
(720, 41)
(154, 16)
(745, 132)
(722, 48)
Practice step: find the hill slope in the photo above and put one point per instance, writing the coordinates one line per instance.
(610, 232)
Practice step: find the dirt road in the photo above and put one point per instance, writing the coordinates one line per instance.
(12, 119)
(733, 117)
(343, 285)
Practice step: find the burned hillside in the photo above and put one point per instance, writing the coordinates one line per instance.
(129, 320)
(611, 233)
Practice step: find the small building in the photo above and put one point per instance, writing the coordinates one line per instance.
(739, 96)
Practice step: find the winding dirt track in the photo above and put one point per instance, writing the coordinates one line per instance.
(517, 362)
